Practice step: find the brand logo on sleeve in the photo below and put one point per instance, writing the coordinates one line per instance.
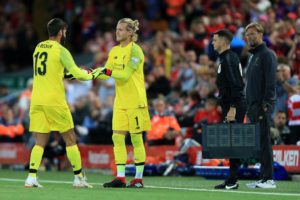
(135, 60)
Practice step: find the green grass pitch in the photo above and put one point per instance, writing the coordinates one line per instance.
(58, 186)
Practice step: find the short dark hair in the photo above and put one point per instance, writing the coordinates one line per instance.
(55, 25)
(224, 33)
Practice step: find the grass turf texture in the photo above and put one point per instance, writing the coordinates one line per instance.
(58, 185)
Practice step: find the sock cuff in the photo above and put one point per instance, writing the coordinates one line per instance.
(77, 172)
(139, 164)
(32, 171)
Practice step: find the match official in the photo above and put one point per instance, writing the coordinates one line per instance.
(232, 99)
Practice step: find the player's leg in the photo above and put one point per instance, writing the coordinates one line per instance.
(120, 128)
(61, 120)
(139, 159)
(37, 152)
(74, 157)
(40, 126)
(139, 121)
(72, 151)
(35, 159)
(120, 155)
(231, 182)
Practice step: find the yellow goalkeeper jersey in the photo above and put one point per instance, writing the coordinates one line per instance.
(49, 60)
(131, 92)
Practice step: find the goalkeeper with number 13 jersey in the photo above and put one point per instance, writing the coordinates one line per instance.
(48, 108)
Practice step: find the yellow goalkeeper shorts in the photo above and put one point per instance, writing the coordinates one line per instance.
(44, 119)
(131, 120)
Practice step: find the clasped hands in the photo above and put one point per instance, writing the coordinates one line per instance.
(95, 73)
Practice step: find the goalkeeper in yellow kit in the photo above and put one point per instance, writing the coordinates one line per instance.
(48, 109)
(130, 112)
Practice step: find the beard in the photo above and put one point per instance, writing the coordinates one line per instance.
(120, 39)
(63, 40)
(252, 44)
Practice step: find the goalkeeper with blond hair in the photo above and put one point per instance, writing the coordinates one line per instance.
(130, 112)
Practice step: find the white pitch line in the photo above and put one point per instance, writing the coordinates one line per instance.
(170, 188)
(232, 191)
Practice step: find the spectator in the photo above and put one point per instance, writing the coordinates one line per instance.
(280, 38)
(210, 114)
(10, 128)
(283, 85)
(294, 116)
(187, 78)
(294, 54)
(160, 85)
(189, 109)
(280, 132)
(165, 127)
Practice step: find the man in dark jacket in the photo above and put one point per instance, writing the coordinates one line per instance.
(260, 97)
(232, 99)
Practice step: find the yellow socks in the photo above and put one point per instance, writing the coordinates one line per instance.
(35, 160)
(119, 149)
(120, 153)
(139, 154)
(75, 159)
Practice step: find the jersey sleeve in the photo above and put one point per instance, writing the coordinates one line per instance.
(68, 62)
(269, 63)
(136, 57)
(234, 75)
(122, 75)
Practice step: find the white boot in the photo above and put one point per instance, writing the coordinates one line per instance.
(268, 184)
(32, 182)
(80, 182)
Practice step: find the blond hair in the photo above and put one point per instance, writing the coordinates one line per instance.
(132, 25)
(259, 28)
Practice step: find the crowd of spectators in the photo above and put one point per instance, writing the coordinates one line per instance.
(180, 63)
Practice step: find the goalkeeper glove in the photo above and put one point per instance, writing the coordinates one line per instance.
(106, 71)
(99, 71)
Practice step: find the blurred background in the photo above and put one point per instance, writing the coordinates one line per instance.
(180, 63)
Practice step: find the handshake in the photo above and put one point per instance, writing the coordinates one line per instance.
(94, 72)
